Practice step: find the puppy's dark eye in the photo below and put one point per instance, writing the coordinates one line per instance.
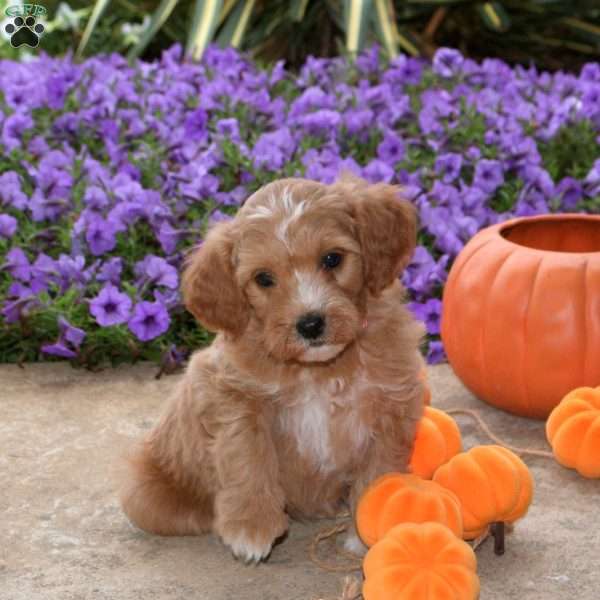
(331, 260)
(264, 279)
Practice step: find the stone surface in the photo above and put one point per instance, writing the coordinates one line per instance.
(64, 537)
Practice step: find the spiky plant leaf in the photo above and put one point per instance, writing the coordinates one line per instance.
(227, 8)
(494, 16)
(298, 10)
(233, 31)
(204, 22)
(97, 12)
(408, 42)
(585, 30)
(385, 24)
(161, 14)
(357, 16)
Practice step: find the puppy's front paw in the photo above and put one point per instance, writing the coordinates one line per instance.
(251, 540)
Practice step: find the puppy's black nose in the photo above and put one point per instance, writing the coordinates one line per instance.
(310, 325)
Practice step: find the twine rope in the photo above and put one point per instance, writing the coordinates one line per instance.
(485, 428)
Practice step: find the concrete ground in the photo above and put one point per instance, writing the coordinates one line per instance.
(64, 537)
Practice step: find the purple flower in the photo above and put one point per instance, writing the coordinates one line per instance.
(110, 271)
(435, 352)
(539, 185)
(429, 312)
(570, 192)
(423, 273)
(13, 129)
(377, 171)
(169, 299)
(168, 237)
(18, 264)
(195, 125)
(447, 62)
(391, 149)
(71, 270)
(218, 216)
(101, 236)
(110, 306)
(149, 320)
(321, 122)
(19, 300)
(95, 198)
(592, 180)
(448, 166)
(8, 226)
(71, 334)
(11, 192)
(157, 271)
(489, 175)
(230, 129)
(358, 120)
(69, 340)
(58, 349)
(273, 149)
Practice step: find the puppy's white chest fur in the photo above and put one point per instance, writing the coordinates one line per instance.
(309, 420)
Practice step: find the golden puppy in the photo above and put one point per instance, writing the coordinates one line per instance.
(310, 389)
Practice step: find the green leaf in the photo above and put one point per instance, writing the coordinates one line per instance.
(298, 10)
(204, 22)
(357, 13)
(161, 14)
(233, 31)
(494, 16)
(386, 26)
(97, 12)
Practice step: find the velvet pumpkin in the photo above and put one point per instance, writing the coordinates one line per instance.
(521, 311)
(573, 431)
(491, 483)
(437, 440)
(423, 561)
(397, 498)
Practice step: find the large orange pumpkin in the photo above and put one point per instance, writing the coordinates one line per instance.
(521, 311)
(491, 483)
(423, 561)
(437, 440)
(573, 431)
(398, 498)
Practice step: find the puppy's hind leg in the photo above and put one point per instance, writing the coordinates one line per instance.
(155, 502)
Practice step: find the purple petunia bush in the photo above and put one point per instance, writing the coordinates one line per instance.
(110, 172)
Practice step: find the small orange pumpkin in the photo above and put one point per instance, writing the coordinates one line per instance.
(437, 440)
(573, 431)
(491, 483)
(398, 498)
(423, 561)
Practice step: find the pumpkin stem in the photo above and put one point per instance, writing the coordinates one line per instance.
(497, 530)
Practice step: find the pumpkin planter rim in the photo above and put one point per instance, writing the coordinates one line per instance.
(500, 229)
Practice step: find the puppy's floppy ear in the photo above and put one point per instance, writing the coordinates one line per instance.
(387, 230)
(210, 291)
